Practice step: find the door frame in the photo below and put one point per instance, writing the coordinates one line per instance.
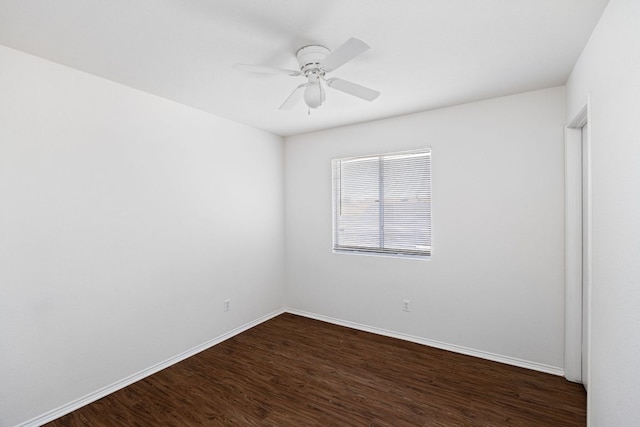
(574, 244)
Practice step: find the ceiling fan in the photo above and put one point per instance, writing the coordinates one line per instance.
(315, 62)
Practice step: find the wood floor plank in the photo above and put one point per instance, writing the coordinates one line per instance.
(294, 371)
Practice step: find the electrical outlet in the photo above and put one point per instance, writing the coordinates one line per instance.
(405, 306)
(227, 305)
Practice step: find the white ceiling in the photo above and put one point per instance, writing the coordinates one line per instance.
(424, 54)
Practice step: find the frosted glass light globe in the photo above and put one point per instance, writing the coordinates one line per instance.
(314, 95)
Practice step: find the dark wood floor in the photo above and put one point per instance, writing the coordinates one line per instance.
(294, 371)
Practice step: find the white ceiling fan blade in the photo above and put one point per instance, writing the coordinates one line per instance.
(353, 89)
(345, 53)
(266, 70)
(295, 97)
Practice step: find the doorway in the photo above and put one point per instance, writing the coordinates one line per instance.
(577, 248)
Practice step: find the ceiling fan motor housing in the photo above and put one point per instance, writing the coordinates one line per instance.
(309, 59)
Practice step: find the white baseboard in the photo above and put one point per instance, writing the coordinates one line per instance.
(98, 394)
(437, 344)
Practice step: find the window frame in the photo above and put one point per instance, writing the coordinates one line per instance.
(336, 187)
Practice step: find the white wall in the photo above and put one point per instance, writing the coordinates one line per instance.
(125, 221)
(495, 281)
(608, 71)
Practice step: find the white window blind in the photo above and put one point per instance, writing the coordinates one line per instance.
(382, 203)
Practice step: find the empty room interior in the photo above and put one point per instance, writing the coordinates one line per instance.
(177, 176)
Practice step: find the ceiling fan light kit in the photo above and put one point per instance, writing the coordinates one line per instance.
(315, 62)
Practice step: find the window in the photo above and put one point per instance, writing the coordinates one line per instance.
(382, 203)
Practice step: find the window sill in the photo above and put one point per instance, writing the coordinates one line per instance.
(383, 254)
